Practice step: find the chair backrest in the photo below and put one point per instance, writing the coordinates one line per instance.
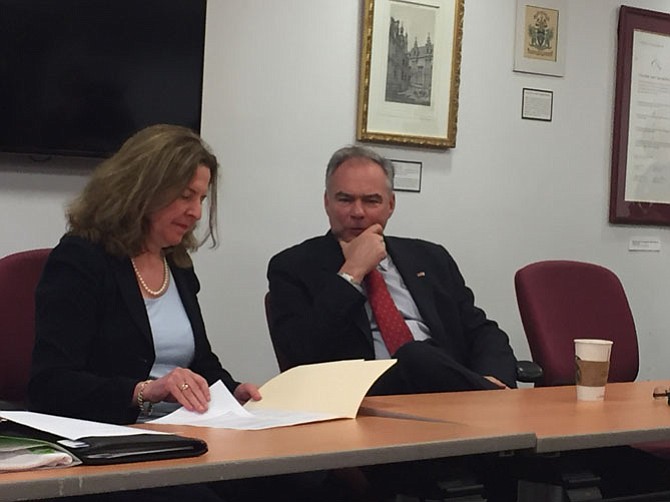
(19, 275)
(282, 361)
(560, 301)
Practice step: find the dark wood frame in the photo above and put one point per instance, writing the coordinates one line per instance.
(622, 211)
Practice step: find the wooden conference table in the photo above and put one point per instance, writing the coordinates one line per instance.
(389, 429)
(243, 454)
(628, 415)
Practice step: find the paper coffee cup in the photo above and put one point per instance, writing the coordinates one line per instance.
(592, 361)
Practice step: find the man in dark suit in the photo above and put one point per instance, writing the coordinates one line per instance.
(320, 308)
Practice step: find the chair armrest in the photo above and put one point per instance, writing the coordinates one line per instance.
(528, 371)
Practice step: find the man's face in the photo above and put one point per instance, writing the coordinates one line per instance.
(356, 197)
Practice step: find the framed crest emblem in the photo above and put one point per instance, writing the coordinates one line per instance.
(540, 37)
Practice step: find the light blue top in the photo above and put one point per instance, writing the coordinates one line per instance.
(174, 344)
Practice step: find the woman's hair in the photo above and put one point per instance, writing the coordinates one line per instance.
(149, 172)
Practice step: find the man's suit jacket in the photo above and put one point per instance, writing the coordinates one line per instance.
(93, 338)
(317, 316)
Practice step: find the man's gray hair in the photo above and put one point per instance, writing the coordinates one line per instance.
(359, 152)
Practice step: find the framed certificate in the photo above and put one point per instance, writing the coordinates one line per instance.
(537, 104)
(640, 181)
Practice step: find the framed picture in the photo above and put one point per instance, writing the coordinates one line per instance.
(640, 181)
(410, 71)
(540, 37)
(537, 104)
(407, 175)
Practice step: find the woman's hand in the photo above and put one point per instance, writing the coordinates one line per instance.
(246, 391)
(181, 385)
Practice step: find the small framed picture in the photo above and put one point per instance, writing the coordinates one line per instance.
(537, 104)
(407, 176)
(540, 37)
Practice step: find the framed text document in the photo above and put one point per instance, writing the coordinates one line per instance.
(640, 184)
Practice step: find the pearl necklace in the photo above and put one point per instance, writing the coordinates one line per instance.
(166, 279)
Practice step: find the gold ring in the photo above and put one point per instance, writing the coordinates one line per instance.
(184, 386)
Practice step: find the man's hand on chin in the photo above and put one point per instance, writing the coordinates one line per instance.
(364, 252)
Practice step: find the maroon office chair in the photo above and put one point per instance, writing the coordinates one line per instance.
(563, 300)
(19, 275)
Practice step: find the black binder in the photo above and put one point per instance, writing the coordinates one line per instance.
(101, 450)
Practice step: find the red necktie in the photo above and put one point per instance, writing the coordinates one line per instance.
(392, 326)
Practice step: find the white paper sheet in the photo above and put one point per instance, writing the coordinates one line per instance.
(304, 394)
(225, 412)
(70, 428)
(648, 156)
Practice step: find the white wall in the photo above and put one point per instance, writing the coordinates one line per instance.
(280, 97)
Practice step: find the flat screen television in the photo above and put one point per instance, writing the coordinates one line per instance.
(78, 77)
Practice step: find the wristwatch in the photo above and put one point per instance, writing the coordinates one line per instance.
(349, 278)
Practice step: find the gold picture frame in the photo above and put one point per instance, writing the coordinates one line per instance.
(410, 72)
